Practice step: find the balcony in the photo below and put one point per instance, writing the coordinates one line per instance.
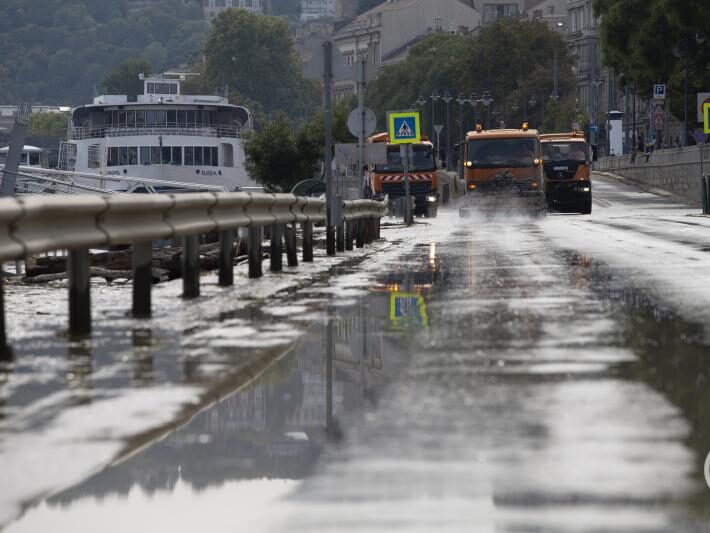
(184, 130)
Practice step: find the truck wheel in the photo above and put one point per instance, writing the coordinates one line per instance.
(586, 206)
(431, 211)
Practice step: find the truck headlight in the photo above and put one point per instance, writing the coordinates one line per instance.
(431, 198)
(585, 189)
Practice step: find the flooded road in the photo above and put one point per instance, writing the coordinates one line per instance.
(500, 375)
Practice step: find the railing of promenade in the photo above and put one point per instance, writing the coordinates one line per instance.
(690, 155)
(33, 225)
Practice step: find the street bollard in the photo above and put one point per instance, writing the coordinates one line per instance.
(705, 193)
(291, 249)
(79, 265)
(254, 245)
(359, 233)
(349, 235)
(142, 279)
(226, 258)
(191, 266)
(445, 193)
(378, 227)
(307, 242)
(276, 250)
(340, 237)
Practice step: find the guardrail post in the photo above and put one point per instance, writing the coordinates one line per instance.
(226, 258)
(359, 233)
(307, 242)
(191, 266)
(378, 228)
(142, 279)
(254, 245)
(277, 238)
(79, 264)
(704, 194)
(340, 237)
(291, 250)
(329, 238)
(3, 334)
(349, 235)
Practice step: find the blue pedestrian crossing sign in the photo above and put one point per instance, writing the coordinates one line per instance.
(706, 118)
(404, 127)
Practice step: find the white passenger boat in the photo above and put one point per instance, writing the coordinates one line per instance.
(163, 136)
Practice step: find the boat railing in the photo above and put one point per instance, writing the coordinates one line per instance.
(186, 130)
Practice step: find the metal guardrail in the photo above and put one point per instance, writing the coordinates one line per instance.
(37, 224)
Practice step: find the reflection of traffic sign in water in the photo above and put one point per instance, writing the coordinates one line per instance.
(408, 309)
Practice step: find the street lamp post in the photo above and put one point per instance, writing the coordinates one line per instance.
(434, 97)
(461, 101)
(487, 101)
(421, 102)
(473, 100)
(447, 100)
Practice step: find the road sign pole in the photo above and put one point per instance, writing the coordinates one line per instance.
(361, 132)
(408, 215)
(328, 160)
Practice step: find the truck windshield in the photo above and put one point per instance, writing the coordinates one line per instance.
(565, 151)
(422, 161)
(494, 153)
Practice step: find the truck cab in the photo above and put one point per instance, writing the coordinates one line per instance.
(567, 166)
(387, 179)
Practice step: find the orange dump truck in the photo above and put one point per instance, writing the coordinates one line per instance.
(388, 179)
(503, 171)
(568, 185)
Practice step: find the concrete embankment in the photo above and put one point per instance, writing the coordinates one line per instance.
(676, 171)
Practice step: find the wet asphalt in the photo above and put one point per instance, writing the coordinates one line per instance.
(487, 381)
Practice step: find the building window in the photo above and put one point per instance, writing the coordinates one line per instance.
(438, 24)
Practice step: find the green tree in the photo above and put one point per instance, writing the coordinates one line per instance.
(648, 42)
(281, 155)
(48, 126)
(254, 55)
(511, 59)
(124, 80)
(366, 5)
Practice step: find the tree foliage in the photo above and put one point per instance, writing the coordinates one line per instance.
(647, 41)
(254, 55)
(55, 51)
(49, 127)
(512, 59)
(125, 78)
(281, 154)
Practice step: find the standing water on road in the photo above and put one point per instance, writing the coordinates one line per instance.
(485, 382)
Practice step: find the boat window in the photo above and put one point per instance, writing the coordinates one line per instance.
(122, 117)
(150, 118)
(145, 155)
(155, 155)
(172, 117)
(177, 155)
(189, 155)
(23, 160)
(182, 117)
(198, 156)
(140, 117)
(166, 155)
(112, 157)
(215, 156)
(160, 118)
(130, 118)
(34, 159)
(123, 155)
(132, 155)
(190, 118)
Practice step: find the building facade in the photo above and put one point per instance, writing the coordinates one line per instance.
(318, 9)
(212, 8)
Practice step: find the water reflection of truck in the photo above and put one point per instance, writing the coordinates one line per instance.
(388, 179)
(567, 164)
(503, 168)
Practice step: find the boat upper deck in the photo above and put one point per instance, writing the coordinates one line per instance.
(161, 110)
